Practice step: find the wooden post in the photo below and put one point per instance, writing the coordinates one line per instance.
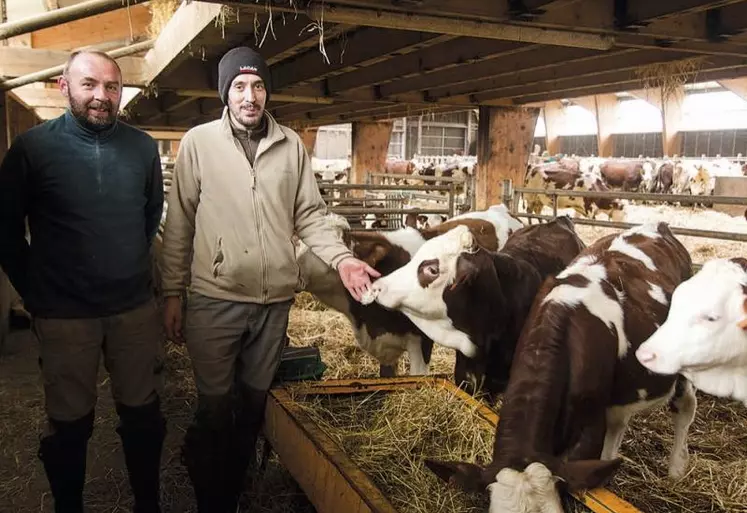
(308, 136)
(606, 112)
(504, 140)
(671, 117)
(553, 112)
(370, 145)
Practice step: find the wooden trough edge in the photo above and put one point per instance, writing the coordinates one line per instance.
(295, 437)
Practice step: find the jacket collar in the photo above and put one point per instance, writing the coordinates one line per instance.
(274, 133)
(86, 133)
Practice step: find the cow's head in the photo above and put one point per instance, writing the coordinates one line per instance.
(705, 333)
(417, 288)
(373, 221)
(699, 183)
(533, 489)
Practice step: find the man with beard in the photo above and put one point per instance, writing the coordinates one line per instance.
(91, 188)
(242, 186)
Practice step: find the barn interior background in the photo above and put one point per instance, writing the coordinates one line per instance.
(439, 101)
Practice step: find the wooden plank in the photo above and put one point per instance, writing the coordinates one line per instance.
(333, 483)
(308, 136)
(129, 23)
(504, 140)
(40, 97)
(370, 143)
(19, 61)
(553, 112)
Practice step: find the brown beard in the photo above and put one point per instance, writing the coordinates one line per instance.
(80, 112)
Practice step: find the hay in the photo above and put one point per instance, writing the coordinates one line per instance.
(668, 78)
(717, 477)
(161, 12)
(388, 435)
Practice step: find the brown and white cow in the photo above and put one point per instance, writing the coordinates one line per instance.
(575, 381)
(384, 334)
(475, 301)
(705, 335)
(553, 177)
(625, 175)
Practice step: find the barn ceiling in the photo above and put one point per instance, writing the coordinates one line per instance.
(389, 58)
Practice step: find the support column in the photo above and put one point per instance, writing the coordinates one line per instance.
(504, 143)
(553, 112)
(370, 146)
(308, 136)
(671, 117)
(604, 108)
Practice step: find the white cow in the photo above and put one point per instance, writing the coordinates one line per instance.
(705, 334)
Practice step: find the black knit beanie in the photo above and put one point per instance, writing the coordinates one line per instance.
(237, 61)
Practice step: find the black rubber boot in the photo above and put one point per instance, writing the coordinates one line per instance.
(63, 454)
(142, 430)
(206, 453)
(250, 413)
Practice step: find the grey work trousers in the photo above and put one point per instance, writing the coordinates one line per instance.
(233, 343)
(132, 343)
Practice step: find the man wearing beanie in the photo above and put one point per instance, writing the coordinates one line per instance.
(242, 186)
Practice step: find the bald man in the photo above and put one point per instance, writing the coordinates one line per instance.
(91, 188)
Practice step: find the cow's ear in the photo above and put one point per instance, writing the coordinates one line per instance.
(465, 271)
(411, 220)
(339, 176)
(743, 323)
(467, 476)
(371, 252)
(587, 474)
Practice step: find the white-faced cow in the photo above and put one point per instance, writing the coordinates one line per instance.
(475, 301)
(705, 335)
(384, 334)
(575, 381)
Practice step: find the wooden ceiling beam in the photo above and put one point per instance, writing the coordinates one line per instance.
(488, 88)
(392, 112)
(647, 10)
(35, 97)
(620, 85)
(17, 61)
(364, 46)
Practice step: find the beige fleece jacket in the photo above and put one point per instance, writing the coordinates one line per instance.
(229, 224)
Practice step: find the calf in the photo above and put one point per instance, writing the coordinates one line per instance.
(474, 301)
(382, 333)
(705, 334)
(500, 217)
(575, 381)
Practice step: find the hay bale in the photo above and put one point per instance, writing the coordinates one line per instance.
(160, 14)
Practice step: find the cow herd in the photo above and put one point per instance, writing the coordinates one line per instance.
(575, 338)
(680, 176)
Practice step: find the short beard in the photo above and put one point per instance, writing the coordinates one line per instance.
(80, 112)
(237, 116)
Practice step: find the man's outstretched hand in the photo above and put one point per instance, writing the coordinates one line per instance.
(356, 276)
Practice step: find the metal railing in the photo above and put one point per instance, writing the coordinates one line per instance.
(511, 195)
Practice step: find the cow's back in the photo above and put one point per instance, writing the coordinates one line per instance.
(549, 247)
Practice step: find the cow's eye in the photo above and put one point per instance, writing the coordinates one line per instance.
(710, 317)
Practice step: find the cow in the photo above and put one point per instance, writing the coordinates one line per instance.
(705, 335)
(663, 178)
(500, 216)
(543, 177)
(384, 334)
(575, 381)
(423, 221)
(479, 317)
(622, 174)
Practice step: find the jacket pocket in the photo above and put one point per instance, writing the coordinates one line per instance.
(218, 257)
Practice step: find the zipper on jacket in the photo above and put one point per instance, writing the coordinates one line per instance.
(260, 233)
(98, 164)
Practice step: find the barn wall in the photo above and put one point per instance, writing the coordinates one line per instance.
(634, 145)
(714, 142)
(579, 144)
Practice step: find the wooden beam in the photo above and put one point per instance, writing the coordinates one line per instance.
(646, 10)
(364, 46)
(128, 24)
(606, 116)
(41, 97)
(504, 140)
(370, 144)
(46, 113)
(671, 116)
(189, 20)
(19, 61)
(552, 74)
(279, 97)
(737, 86)
(308, 136)
(63, 15)
(169, 135)
(389, 19)
(553, 113)
(54, 71)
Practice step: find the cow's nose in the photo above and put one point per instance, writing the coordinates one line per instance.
(645, 355)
